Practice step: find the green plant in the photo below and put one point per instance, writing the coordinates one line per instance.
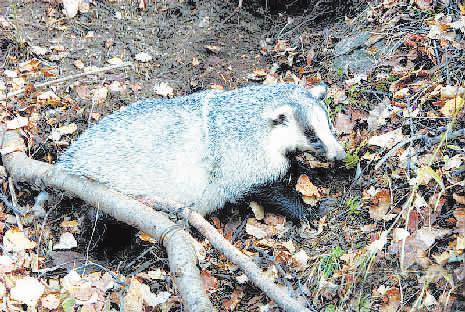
(351, 159)
(354, 206)
(330, 263)
(364, 304)
(392, 78)
(330, 308)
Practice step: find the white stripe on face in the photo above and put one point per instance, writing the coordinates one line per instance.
(319, 121)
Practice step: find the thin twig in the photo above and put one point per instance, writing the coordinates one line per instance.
(14, 201)
(433, 140)
(70, 77)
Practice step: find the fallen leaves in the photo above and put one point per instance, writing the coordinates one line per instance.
(67, 241)
(48, 98)
(163, 89)
(310, 193)
(388, 139)
(17, 122)
(57, 133)
(27, 290)
(143, 57)
(381, 203)
(99, 95)
(16, 240)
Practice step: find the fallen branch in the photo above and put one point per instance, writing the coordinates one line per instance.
(67, 78)
(181, 253)
(431, 140)
(253, 272)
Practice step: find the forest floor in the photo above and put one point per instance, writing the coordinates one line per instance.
(393, 234)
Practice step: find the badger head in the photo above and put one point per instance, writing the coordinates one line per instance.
(303, 115)
(317, 121)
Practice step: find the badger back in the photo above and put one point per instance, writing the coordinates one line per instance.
(146, 149)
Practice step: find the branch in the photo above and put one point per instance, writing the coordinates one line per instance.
(181, 253)
(71, 77)
(253, 272)
(431, 140)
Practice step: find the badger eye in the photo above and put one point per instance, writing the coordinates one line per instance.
(282, 119)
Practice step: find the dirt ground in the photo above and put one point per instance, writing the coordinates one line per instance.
(195, 45)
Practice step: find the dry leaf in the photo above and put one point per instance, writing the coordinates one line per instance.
(82, 91)
(6, 264)
(17, 122)
(453, 106)
(143, 57)
(39, 50)
(213, 49)
(381, 203)
(27, 290)
(460, 199)
(115, 61)
(343, 124)
(146, 238)
(57, 133)
(300, 260)
(50, 302)
(425, 174)
(387, 140)
(48, 98)
(71, 7)
(66, 242)
(209, 281)
(230, 304)
(306, 187)
(79, 64)
(99, 95)
(163, 89)
(255, 231)
(258, 210)
(16, 240)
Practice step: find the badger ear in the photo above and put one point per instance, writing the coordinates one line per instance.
(319, 91)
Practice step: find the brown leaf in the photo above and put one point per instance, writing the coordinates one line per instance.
(209, 281)
(459, 199)
(381, 203)
(391, 300)
(236, 296)
(306, 187)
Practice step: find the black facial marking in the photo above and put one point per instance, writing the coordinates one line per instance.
(282, 119)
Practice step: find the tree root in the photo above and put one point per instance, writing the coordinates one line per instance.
(181, 253)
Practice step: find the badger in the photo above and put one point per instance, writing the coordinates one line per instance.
(205, 149)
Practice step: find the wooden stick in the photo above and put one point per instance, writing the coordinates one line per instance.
(67, 78)
(178, 243)
(279, 295)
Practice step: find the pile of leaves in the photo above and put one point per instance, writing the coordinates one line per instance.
(395, 239)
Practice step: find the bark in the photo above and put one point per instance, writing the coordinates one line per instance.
(181, 253)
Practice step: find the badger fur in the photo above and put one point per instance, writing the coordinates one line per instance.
(205, 149)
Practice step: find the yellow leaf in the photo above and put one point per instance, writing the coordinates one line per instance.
(426, 173)
(462, 9)
(453, 106)
(146, 238)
